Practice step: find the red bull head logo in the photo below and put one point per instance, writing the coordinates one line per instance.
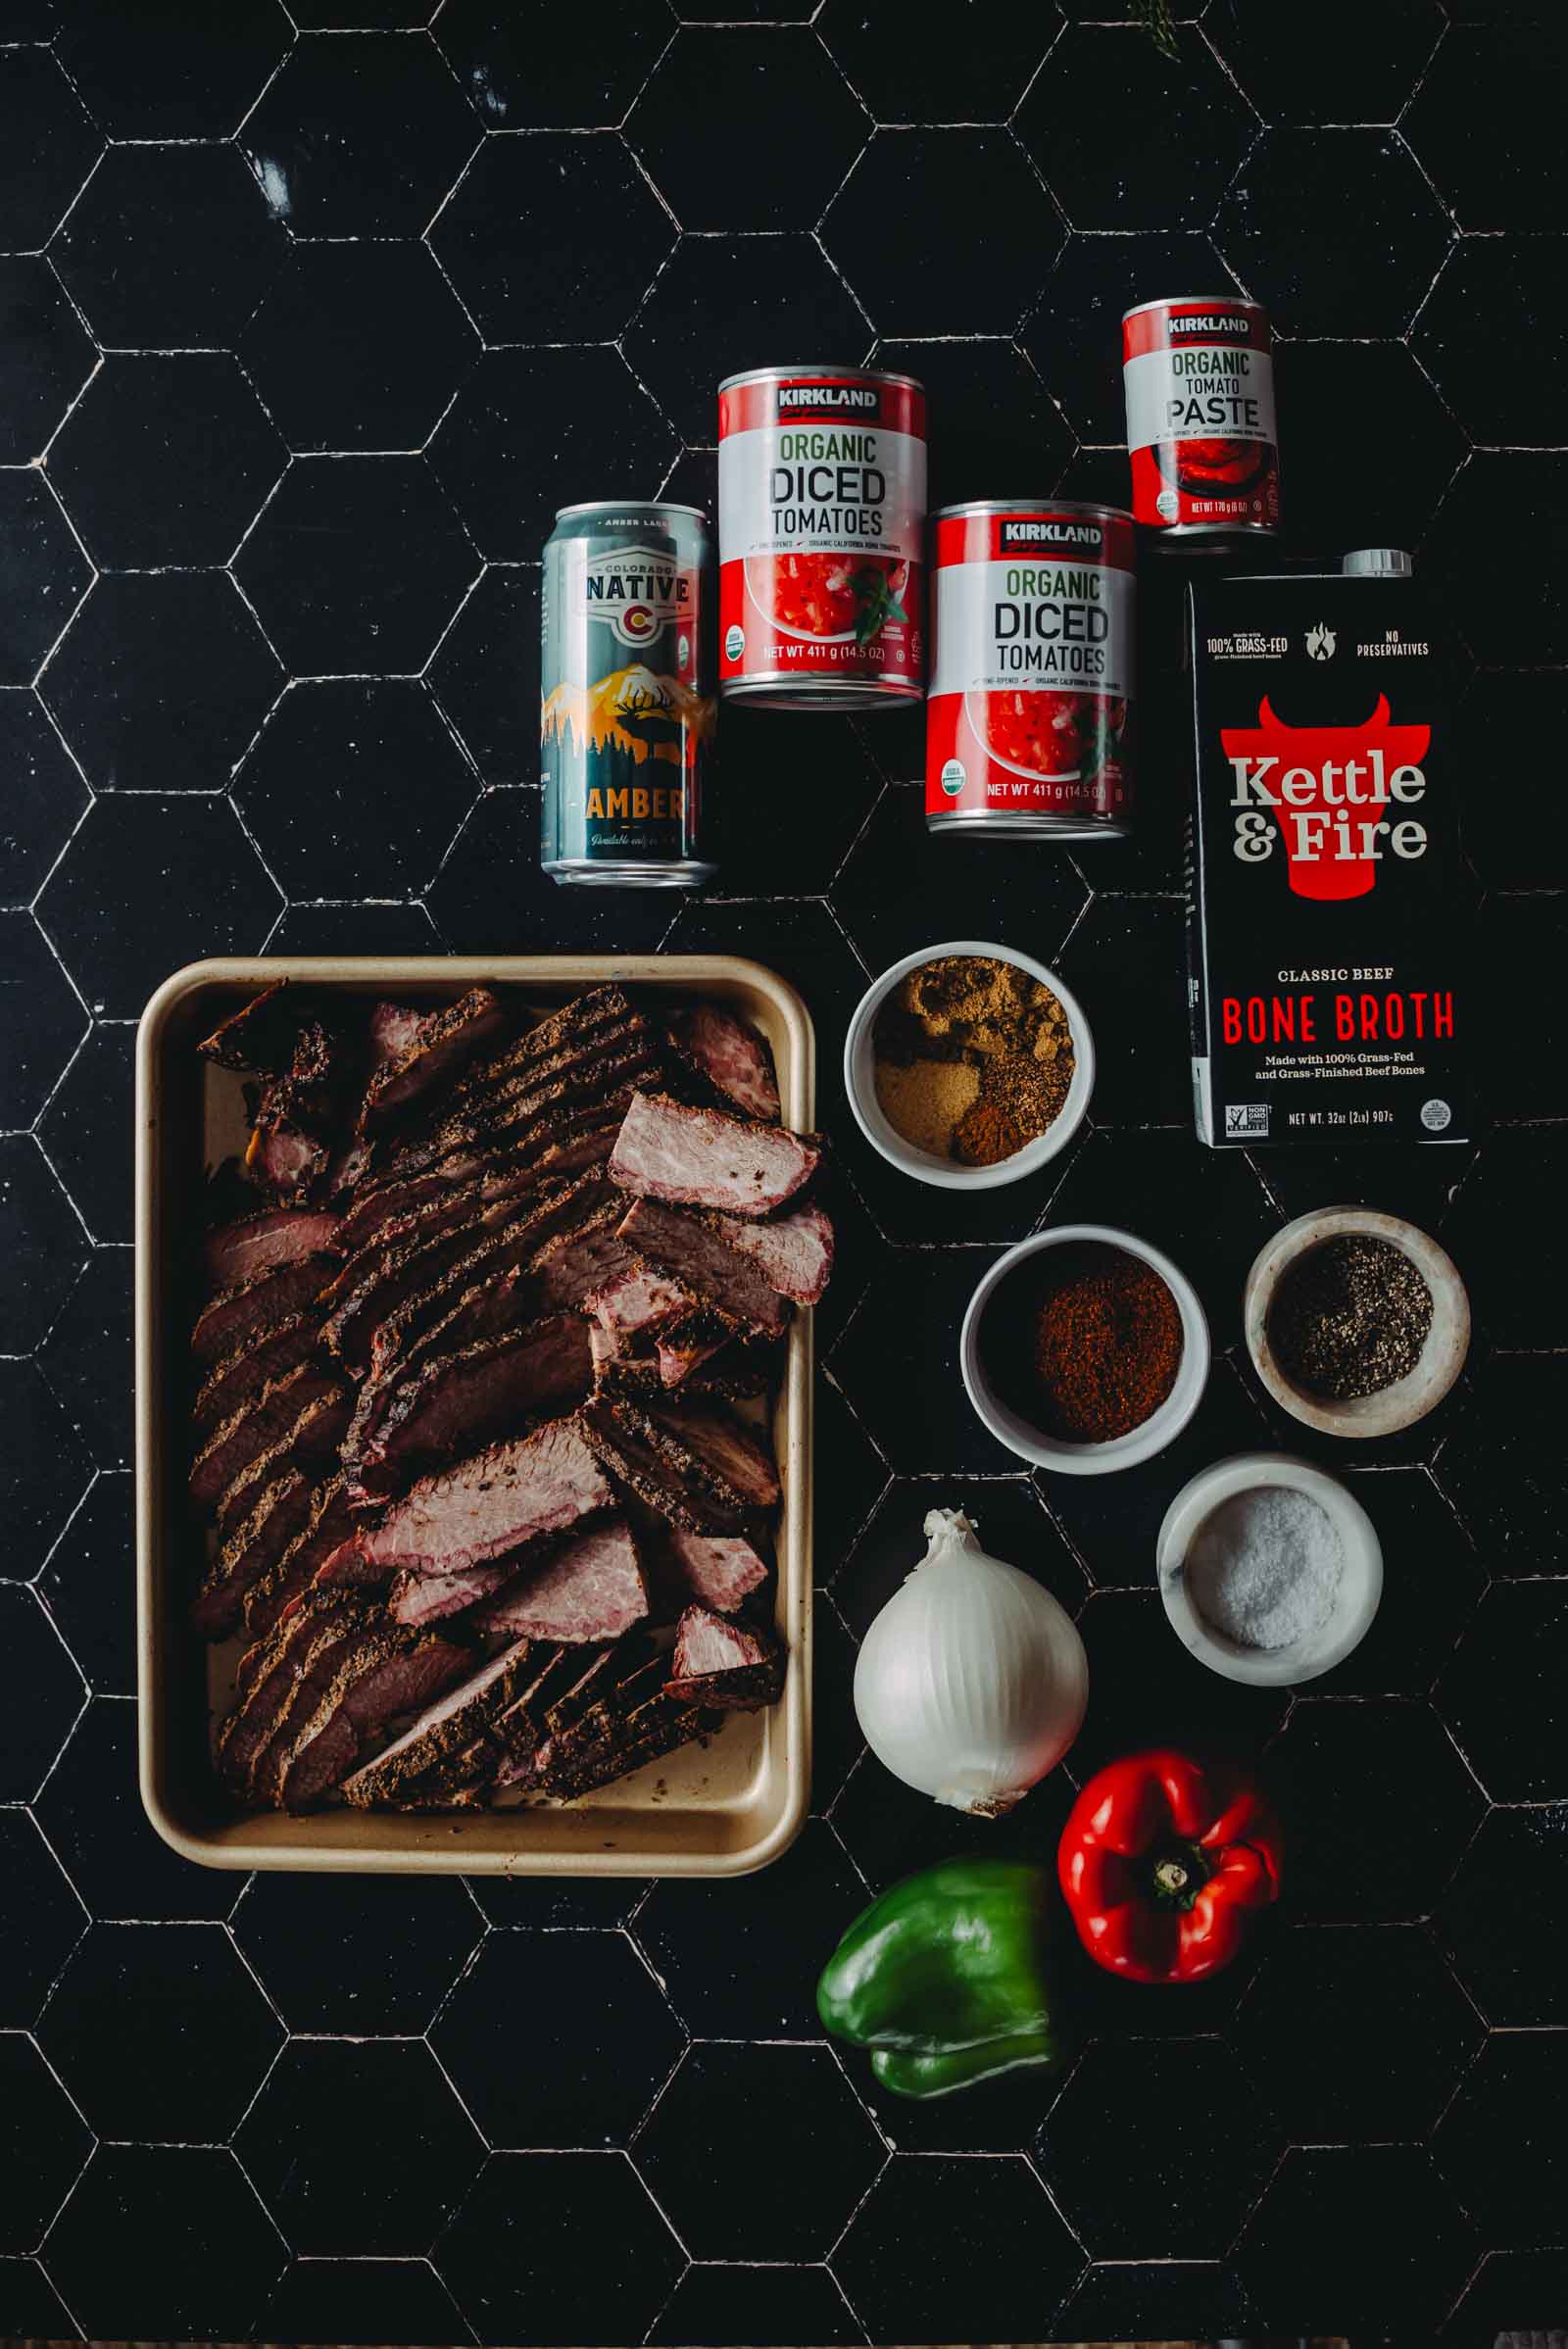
(1334, 797)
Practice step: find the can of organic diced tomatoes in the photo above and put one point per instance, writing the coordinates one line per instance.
(1201, 439)
(1028, 727)
(821, 520)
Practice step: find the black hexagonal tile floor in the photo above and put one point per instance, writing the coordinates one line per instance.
(1519, 1165)
(714, 311)
(358, 346)
(582, 282)
(91, 1813)
(43, 2143)
(1515, 1977)
(30, 2306)
(712, 2306)
(1146, 1688)
(507, 478)
(47, 146)
(43, 1243)
(923, 1423)
(1336, 1757)
(86, 1357)
(728, 1954)
(398, 792)
(1526, 1075)
(584, 1903)
(44, 800)
(1293, 70)
(1074, 335)
(813, 2152)
(203, 2039)
(45, 361)
(323, 565)
(369, 2300)
(160, 682)
(357, 1954)
(1530, 851)
(795, 805)
(836, 1741)
(1498, 2145)
(1409, 1179)
(486, 673)
(940, 2246)
(891, 1832)
(1124, 964)
(169, 2240)
(998, 231)
(43, 572)
(1012, 1525)
(325, 2093)
(1345, 481)
(352, 929)
(586, 2084)
(999, 427)
(1335, 231)
(1484, 122)
(1153, 2299)
(1130, 140)
(168, 74)
(541, 74)
(1534, 631)
(490, 889)
(970, 64)
(87, 1131)
(761, 82)
(1156, 2148)
(89, 1584)
(1502, 1694)
(1510, 2291)
(525, 2257)
(361, 134)
(165, 459)
(1355, 2237)
(1431, 1583)
(41, 1922)
(44, 1470)
(1492, 286)
(168, 249)
(1356, 2032)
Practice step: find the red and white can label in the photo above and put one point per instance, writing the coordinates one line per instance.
(821, 516)
(1031, 694)
(1200, 431)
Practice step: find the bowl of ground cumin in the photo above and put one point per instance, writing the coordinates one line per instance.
(968, 1065)
(1084, 1349)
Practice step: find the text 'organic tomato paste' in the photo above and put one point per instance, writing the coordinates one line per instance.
(822, 516)
(1028, 726)
(1200, 430)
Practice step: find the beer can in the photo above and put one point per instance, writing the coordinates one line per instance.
(1029, 721)
(1198, 374)
(626, 709)
(821, 523)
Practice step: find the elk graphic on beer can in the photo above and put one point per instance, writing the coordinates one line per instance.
(1201, 439)
(627, 711)
(821, 521)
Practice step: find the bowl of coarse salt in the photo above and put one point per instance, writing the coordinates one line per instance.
(1270, 1571)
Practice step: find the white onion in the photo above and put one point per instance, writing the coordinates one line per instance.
(972, 1681)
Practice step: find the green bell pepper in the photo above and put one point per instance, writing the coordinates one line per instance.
(945, 1979)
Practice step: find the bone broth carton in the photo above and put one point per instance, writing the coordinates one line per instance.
(1330, 988)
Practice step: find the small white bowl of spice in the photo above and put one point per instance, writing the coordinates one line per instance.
(1356, 1322)
(968, 1065)
(1270, 1571)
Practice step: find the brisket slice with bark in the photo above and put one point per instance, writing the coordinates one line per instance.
(530, 1117)
(461, 1401)
(591, 1590)
(794, 1254)
(683, 1349)
(733, 1455)
(700, 1158)
(392, 1673)
(600, 1007)
(717, 1275)
(629, 1446)
(640, 1299)
(483, 1507)
(262, 1241)
(717, 1570)
(733, 1059)
(279, 1512)
(259, 1037)
(717, 1662)
(265, 1681)
(312, 1439)
(445, 1727)
(330, 1523)
(394, 1029)
(582, 1061)
(428, 1597)
(240, 1316)
(443, 1046)
(240, 1376)
(241, 1439)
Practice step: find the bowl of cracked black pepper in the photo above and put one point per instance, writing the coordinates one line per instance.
(1357, 1322)
(968, 1065)
(1084, 1349)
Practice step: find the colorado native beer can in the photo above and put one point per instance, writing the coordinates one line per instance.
(626, 716)
(1029, 722)
(822, 523)
(1200, 431)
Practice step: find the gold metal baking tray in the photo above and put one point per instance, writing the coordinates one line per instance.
(716, 1810)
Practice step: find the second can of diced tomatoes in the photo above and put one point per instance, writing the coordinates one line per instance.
(821, 519)
(1029, 723)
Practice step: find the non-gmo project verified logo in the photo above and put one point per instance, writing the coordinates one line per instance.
(1246, 1118)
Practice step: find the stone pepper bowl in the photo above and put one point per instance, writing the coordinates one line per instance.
(1442, 1357)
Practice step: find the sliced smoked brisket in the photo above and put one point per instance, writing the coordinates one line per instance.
(242, 1314)
(720, 1662)
(483, 1507)
(701, 1158)
(733, 1059)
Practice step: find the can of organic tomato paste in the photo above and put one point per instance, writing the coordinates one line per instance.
(1200, 431)
(1029, 722)
(628, 710)
(822, 523)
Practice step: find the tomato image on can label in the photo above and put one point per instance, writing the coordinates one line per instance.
(1029, 722)
(1201, 438)
(822, 504)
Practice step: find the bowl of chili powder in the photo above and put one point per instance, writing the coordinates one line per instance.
(1084, 1349)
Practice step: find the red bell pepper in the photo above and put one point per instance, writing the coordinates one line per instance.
(1160, 1860)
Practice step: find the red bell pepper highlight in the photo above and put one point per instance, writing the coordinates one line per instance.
(1160, 1861)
